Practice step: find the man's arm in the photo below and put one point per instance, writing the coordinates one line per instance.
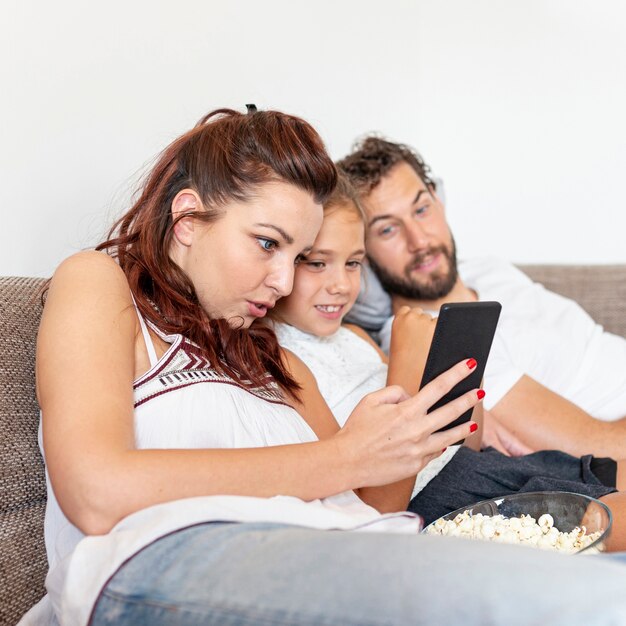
(545, 420)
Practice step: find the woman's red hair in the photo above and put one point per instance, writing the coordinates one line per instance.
(224, 157)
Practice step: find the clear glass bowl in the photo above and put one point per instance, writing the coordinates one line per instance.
(568, 510)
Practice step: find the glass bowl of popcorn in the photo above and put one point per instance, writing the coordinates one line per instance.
(552, 520)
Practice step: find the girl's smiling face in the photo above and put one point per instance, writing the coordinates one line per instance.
(328, 278)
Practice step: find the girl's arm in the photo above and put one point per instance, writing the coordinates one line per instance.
(313, 408)
(86, 365)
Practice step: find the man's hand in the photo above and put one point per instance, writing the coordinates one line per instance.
(498, 436)
(411, 335)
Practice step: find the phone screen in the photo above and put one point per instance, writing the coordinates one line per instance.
(464, 330)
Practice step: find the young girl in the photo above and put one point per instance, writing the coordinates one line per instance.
(183, 486)
(346, 364)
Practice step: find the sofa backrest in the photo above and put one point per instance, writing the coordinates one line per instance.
(599, 289)
(23, 563)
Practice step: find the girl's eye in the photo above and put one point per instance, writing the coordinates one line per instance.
(267, 244)
(354, 265)
(316, 265)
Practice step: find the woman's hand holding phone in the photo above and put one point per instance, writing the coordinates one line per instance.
(390, 435)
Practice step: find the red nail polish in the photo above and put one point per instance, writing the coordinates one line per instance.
(444, 450)
(471, 363)
(481, 394)
(473, 427)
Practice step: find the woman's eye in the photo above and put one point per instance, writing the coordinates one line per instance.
(421, 210)
(267, 244)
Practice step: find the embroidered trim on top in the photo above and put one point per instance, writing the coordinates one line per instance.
(185, 366)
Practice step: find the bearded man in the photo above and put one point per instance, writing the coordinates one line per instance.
(554, 379)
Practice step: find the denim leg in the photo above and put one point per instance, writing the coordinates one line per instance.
(268, 574)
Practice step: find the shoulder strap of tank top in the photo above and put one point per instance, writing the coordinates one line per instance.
(146, 335)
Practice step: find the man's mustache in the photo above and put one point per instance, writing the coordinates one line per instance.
(419, 257)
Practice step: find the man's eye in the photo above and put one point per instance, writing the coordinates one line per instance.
(421, 210)
(267, 244)
(385, 231)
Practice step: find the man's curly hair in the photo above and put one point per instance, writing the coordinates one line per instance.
(373, 157)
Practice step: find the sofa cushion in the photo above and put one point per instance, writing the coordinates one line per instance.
(23, 562)
(599, 289)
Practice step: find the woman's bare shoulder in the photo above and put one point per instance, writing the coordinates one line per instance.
(89, 274)
(87, 289)
(89, 265)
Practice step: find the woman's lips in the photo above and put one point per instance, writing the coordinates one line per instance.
(258, 309)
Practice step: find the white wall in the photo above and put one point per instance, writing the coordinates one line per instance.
(517, 105)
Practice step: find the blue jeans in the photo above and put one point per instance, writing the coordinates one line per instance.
(268, 574)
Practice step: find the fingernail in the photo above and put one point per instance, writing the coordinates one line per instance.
(471, 363)
(481, 394)
(444, 450)
(473, 427)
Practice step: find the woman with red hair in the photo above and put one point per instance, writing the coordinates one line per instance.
(185, 485)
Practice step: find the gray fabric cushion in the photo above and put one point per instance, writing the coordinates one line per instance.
(23, 562)
(599, 289)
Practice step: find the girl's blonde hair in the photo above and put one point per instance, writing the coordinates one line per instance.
(344, 196)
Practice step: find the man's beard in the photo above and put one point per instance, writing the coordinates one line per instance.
(434, 286)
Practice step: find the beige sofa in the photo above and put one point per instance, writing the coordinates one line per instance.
(599, 289)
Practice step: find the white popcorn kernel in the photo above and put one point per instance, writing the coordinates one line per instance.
(488, 530)
(546, 521)
(526, 532)
(466, 526)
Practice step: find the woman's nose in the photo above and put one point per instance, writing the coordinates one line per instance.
(280, 279)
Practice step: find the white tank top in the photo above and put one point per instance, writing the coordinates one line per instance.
(346, 368)
(182, 402)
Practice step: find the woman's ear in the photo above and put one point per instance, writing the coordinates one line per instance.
(186, 201)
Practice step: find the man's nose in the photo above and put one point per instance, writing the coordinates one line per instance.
(416, 237)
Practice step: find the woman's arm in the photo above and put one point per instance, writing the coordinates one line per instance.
(85, 369)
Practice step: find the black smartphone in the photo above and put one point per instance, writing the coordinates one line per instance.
(464, 330)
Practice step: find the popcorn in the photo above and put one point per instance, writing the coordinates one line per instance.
(541, 533)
